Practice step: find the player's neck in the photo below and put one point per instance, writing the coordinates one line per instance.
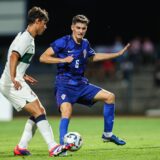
(31, 30)
(78, 41)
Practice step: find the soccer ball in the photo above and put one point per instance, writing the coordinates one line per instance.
(75, 138)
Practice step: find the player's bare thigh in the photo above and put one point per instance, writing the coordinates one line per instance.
(41, 107)
(35, 108)
(105, 96)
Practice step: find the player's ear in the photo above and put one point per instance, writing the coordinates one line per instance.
(37, 20)
(72, 26)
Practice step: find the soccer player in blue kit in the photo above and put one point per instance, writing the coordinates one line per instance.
(71, 54)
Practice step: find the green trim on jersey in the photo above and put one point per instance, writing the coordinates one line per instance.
(26, 58)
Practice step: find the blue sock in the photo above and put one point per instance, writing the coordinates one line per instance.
(63, 128)
(108, 113)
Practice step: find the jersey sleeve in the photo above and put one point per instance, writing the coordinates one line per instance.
(90, 51)
(21, 44)
(58, 44)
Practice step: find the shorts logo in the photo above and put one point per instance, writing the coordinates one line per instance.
(63, 96)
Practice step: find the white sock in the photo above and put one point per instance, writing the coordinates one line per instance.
(107, 134)
(46, 131)
(28, 133)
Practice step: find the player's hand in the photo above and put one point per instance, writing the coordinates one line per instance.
(68, 59)
(30, 79)
(17, 84)
(124, 49)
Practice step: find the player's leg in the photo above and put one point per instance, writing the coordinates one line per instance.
(65, 97)
(34, 109)
(28, 133)
(26, 99)
(66, 111)
(108, 111)
(45, 129)
(39, 120)
(29, 130)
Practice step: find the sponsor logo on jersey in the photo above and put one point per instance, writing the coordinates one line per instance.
(70, 51)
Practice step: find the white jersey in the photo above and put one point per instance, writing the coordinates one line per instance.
(25, 46)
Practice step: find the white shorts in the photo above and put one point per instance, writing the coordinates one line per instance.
(18, 98)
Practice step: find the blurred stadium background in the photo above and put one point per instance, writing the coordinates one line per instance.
(134, 78)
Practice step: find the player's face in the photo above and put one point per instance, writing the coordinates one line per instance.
(79, 30)
(41, 27)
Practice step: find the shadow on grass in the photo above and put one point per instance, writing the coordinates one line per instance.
(124, 148)
(41, 155)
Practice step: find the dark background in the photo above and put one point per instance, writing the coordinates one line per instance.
(108, 19)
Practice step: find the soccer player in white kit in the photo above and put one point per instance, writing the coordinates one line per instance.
(14, 87)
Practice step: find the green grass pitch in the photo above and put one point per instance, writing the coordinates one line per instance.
(141, 134)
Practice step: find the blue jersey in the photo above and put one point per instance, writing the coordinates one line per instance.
(66, 46)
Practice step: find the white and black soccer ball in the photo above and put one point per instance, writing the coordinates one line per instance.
(75, 138)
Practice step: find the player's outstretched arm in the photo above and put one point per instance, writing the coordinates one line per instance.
(106, 56)
(121, 52)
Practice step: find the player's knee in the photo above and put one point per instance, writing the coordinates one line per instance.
(37, 111)
(66, 113)
(43, 111)
(111, 98)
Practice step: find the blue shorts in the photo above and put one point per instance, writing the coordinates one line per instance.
(82, 94)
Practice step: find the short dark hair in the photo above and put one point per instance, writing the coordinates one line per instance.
(37, 12)
(80, 18)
